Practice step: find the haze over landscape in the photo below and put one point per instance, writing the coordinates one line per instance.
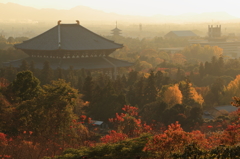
(127, 11)
(157, 17)
(111, 79)
(140, 7)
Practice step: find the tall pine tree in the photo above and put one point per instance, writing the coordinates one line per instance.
(185, 88)
(159, 79)
(24, 66)
(46, 73)
(88, 89)
(150, 91)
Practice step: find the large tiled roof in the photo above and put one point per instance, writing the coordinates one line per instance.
(71, 37)
(183, 33)
(77, 63)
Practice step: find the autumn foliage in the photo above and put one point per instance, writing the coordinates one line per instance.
(53, 120)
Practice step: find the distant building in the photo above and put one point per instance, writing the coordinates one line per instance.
(214, 112)
(171, 51)
(68, 45)
(230, 48)
(214, 34)
(116, 31)
(228, 108)
(180, 34)
(100, 124)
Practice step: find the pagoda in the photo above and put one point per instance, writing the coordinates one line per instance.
(68, 45)
(116, 31)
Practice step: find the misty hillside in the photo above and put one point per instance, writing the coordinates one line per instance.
(18, 13)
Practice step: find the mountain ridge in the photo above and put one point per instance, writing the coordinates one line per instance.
(16, 12)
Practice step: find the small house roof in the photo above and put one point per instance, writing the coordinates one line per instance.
(68, 37)
(96, 122)
(228, 108)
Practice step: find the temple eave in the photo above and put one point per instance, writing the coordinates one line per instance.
(68, 53)
(76, 63)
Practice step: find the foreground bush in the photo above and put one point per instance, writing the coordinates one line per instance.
(128, 149)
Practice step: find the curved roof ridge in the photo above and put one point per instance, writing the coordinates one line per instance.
(99, 35)
(73, 37)
(38, 35)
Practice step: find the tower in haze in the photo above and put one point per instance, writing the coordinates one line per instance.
(215, 34)
(140, 30)
(230, 48)
(116, 32)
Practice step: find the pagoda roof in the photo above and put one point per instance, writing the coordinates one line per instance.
(76, 63)
(116, 29)
(72, 37)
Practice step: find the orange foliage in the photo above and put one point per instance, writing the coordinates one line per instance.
(174, 139)
(113, 137)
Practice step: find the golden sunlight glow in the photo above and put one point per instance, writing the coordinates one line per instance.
(141, 7)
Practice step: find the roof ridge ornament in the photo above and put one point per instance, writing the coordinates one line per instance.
(78, 22)
(59, 22)
(59, 35)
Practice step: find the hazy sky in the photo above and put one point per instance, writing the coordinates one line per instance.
(141, 7)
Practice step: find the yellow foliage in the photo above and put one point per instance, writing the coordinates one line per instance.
(178, 58)
(202, 52)
(145, 65)
(146, 75)
(232, 89)
(172, 95)
(148, 52)
(196, 97)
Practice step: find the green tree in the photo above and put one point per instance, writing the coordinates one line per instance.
(195, 116)
(216, 91)
(131, 96)
(180, 74)
(32, 67)
(153, 111)
(105, 102)
(51, 112)
(159, 77)
(24, 87)
(5, 113)
(46, 75)
(221, 66)
(139, 92)
(9, 73)
(71, 77)
(187, 96)
(88, 89)
(208, 68)
(132, 77)
(150, 91)
(201, 70)
(24, 66)
(59, 74)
